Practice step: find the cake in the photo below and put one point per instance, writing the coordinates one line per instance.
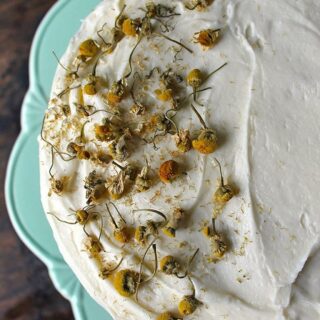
(179, 159)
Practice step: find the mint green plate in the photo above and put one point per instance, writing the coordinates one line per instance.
(22, 181)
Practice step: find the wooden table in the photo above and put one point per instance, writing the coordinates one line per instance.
(26, 291)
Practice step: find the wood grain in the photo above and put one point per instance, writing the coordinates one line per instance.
(26, 292)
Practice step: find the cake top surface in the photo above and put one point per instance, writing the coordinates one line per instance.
(179, 157)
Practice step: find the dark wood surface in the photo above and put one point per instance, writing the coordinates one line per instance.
(26, 292)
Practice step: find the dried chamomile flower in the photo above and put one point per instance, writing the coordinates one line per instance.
(143, 181)
(78, 151)
(121, 232)
(167, 316)
(92, 180)
(116, 93)
(116, 186)
(169, 265)
(57, 186)
(183, 140)
(168, 81)
(90, 88)
(141, 235)
(207, 141)
(189, 304)
(182, 137)
(224, 193)
(207, 38)
(126, 282)
(118, 148)
(107, 131)
(164, 94)
(131, 27)
(173, 223)
(82, 217)
(88, 50)
(218, 245)
(199, 4)
(106, 272)
(93, 245)
(168, 171)
(94, 186)
(129, 170)
(195, 79)
(151, 227)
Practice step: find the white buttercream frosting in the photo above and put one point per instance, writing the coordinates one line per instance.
(265, 107)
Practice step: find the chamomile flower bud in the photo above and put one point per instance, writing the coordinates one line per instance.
(206, 142)
(141, 235)
(126, 282)
(168, 171)
(131, 27)
(224, 193)
(116, 93)
(93, 245)
(88, 49)
(121, 232)
(218, 246)
(207, 38)
(169, 265)
(57, 186)
(188, 305)
(164, 94)
(195, 78)
(122, 235)
(82, 216)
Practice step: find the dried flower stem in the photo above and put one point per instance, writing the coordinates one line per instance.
(199, 117)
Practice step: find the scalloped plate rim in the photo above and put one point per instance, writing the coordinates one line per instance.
(51, 262)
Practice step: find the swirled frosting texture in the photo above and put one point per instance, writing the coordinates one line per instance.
(265, 107)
